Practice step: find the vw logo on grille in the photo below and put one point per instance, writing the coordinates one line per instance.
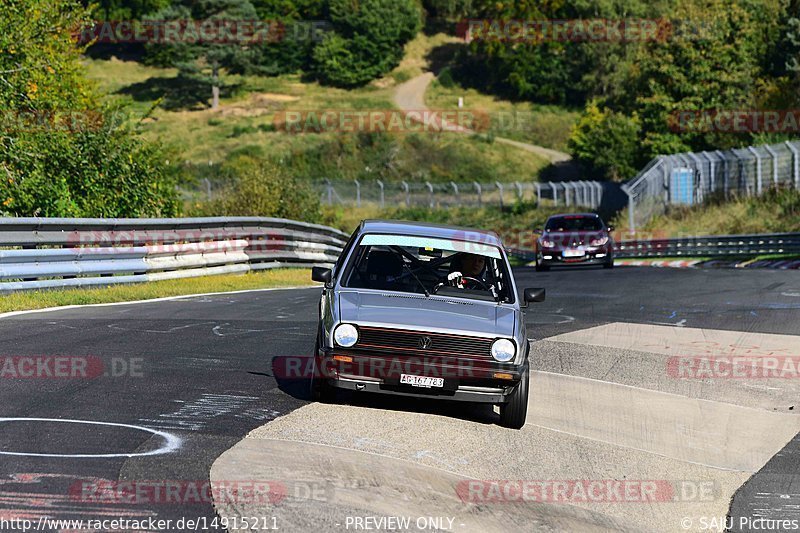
(425, 342)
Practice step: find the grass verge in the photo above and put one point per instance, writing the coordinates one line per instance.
(284, 277)
(245, 122)
(543, 125)
(776, 211)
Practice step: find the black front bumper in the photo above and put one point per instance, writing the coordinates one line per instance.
(557, 259)
(478, 386)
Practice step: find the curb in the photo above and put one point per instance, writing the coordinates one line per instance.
(661, 264)
(775, 264)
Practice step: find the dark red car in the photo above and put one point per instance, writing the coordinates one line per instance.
(575, 239)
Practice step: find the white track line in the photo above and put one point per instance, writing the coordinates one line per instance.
(164, 299)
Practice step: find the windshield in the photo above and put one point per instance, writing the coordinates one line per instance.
(573, 223)
(429, 266)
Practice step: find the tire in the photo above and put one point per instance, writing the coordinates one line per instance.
(319, 389)
(513, 413)
(610, 264)
(541, 267)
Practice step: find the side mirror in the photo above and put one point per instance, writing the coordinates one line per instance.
(321, 274)
(533, 294)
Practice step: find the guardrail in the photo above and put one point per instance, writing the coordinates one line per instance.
(712, 246)
(706, 246)
(42, 253)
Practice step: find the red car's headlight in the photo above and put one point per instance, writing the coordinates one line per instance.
(599, 242)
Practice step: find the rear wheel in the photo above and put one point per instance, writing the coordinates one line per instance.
(513, 413)
(610, 264)
(318, 385)
(541, 267)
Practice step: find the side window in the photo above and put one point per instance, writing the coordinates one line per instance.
(345, 251)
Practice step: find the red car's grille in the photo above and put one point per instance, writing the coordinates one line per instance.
(421, 343)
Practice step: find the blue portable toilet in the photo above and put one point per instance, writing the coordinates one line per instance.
(681, 186)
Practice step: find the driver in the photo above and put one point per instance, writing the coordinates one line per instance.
(468, 265)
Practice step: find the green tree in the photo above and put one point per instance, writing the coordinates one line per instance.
(203, 60)
(367, 39)
(607, 142)
(61, 154)
(793, 52)
(452, 10)
(554, 70)
(124, 9)
(717, 65)
(290, 9)
(717, 56)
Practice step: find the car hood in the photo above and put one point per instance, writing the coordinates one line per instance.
(404, 311)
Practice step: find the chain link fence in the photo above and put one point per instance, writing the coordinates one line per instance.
(451, 194)
(691, 178)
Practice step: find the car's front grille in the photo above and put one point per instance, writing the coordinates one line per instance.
(423, 343)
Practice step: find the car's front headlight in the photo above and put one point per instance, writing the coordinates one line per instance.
(345, 335)
(546, 243)
(599, 242)
(503, 350)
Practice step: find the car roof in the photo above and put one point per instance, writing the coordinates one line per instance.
(589, 215)
(426, 229)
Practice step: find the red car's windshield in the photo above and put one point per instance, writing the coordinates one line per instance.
(574, 224)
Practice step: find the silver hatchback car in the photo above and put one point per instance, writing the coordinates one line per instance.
(424, 310)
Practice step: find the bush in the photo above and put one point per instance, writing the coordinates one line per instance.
(256, 187)
(445, 78)
(350, 62)
(242, 129)
(607, 142)
(106, 172)
(61, 154)
(367, 40)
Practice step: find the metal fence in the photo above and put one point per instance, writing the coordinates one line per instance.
(41, 253)
(690, 178)
(412, 193)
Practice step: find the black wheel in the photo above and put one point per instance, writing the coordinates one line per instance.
(610, 264)
(513, 413)
(541, 267)
(318, 386)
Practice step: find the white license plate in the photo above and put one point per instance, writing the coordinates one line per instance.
(574, 253)
(421, 381)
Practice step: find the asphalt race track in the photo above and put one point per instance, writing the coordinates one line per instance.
(186, 379)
